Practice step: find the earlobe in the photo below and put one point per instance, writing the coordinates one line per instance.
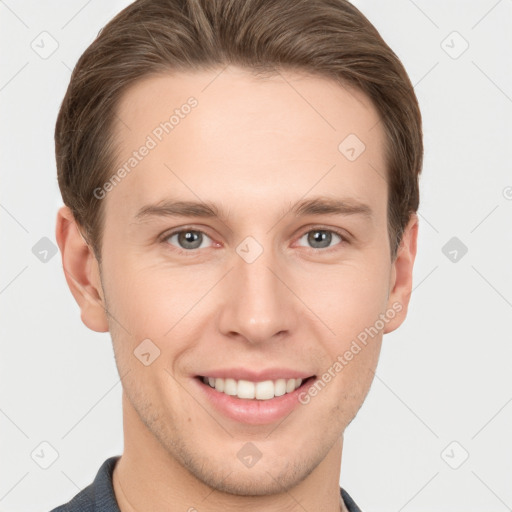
(81, 270)
(401, 275)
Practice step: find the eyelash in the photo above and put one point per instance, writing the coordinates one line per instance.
(193, 252)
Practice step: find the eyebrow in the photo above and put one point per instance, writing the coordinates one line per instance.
(316, 206)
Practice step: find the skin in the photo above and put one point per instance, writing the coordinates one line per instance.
(254, 147)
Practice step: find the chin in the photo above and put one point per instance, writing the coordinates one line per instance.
(265, 480)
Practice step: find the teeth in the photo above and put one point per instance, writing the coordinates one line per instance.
(265, 390)
(280, 387)
(290, 385)
(244, 389)
(229, 386)
(219, 385)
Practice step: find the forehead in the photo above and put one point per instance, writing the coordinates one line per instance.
(228, 134)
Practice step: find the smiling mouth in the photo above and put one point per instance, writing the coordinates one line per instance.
(248, 390)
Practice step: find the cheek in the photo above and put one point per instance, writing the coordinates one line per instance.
(347, 299)
(355, 302)
(155, 309)
(151, 299)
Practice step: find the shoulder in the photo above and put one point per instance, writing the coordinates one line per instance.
(349, 502)
(99, 495)
(82, 502)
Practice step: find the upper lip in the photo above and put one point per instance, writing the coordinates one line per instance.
(256, 376)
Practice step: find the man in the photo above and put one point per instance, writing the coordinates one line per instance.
(241, 188)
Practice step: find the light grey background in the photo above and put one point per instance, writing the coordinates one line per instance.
(444, 376)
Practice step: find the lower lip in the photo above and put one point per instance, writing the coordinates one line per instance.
(253, 412)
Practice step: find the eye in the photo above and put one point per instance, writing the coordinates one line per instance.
(320, 238)
(188, 239)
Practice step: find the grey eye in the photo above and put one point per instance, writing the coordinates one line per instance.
(188, 239)
(320, 238)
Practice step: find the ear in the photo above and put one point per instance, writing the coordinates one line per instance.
(401, 275)
(81, 270)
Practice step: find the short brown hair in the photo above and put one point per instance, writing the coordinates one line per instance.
(329, 38)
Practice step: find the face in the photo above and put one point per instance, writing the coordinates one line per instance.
(280, 271)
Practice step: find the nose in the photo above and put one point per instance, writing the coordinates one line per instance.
(259, 306)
